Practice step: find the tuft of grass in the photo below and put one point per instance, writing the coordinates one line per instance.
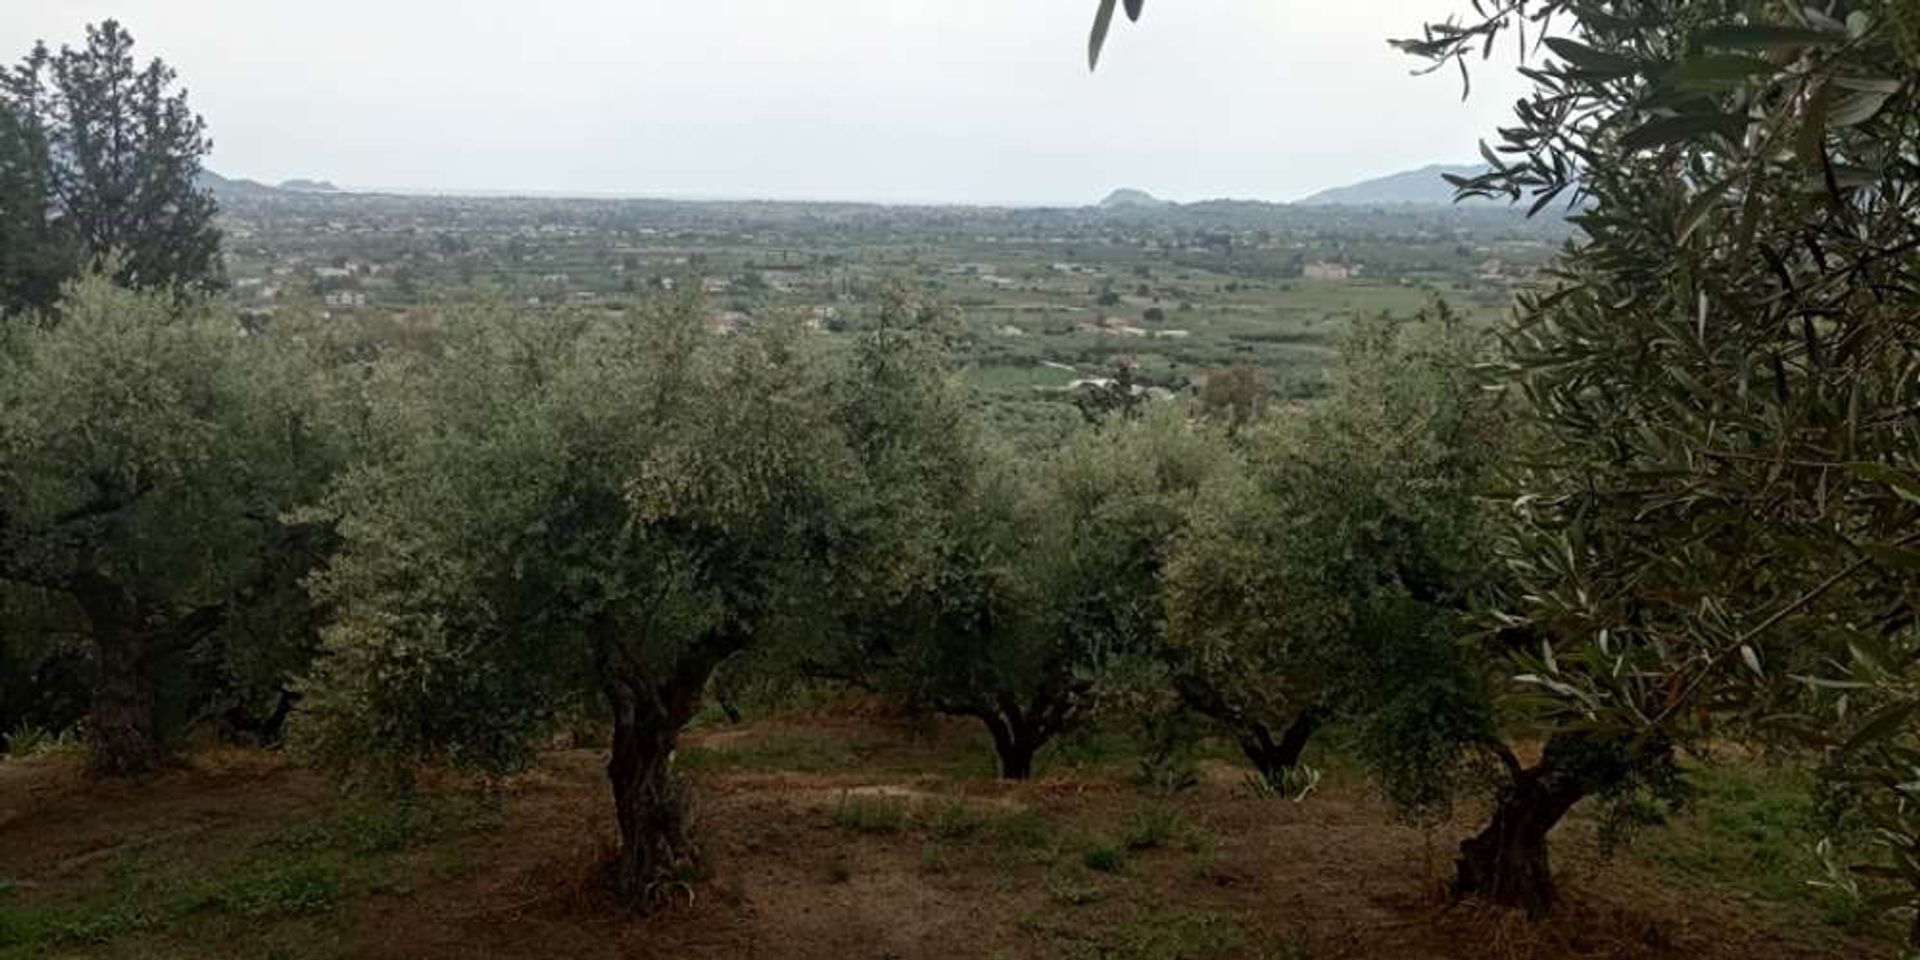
(955, 819)
(32, 740)
(877, 815)
(306, 868)
(1104, 857)
(1154, 827)
(1023, 830)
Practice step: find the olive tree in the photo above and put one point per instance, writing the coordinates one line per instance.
(994, 587)
(1328, 577)
(1045, 575)
(1714, 518)
(568, 511)
(1716, 515)
(149, 452)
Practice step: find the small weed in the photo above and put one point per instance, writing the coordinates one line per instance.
(1104, 857)
(1295, 783)
(1154, 827)
(839, 869)
(877, 815)
(25, 740)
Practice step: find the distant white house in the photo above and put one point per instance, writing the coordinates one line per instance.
(1323, 270)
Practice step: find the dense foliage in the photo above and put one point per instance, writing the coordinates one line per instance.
(595, 511)
(1329, 578)
(148, 452)
(1681, 512)
(1720, 500)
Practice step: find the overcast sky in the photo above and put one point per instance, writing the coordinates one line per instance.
(973, 101)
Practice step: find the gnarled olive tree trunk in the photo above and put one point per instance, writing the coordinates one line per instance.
(1020, 731)
(121, 738)
(1273, 757)
(653, 804)
(130, 637)
(1506, 862)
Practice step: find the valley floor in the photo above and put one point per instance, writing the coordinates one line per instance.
(841, 836)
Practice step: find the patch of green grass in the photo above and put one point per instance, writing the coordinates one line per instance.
(375, 828)
(306, 868)
(1753, 829)
(1104, 857)
(868, 814)
(254, 893)
(1168, 935)
(1180, 935)
(1022, 829)
(274, 891)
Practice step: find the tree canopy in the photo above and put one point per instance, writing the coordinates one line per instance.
(100, 166)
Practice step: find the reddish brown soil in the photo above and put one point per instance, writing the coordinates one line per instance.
(1328, 878)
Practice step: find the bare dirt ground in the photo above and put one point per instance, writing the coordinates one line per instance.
(828, 839)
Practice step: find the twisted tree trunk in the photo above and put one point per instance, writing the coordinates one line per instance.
(653, 809)
(1273, 758)
(1020, 731)
(1507, 862)
(121, 737)
(653, 804)
(1014, 745)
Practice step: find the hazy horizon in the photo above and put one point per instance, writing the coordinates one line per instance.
(878, 101)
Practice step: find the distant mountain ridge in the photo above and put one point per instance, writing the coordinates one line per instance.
(1425, 187)
(240, 187)
(1127, 198)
